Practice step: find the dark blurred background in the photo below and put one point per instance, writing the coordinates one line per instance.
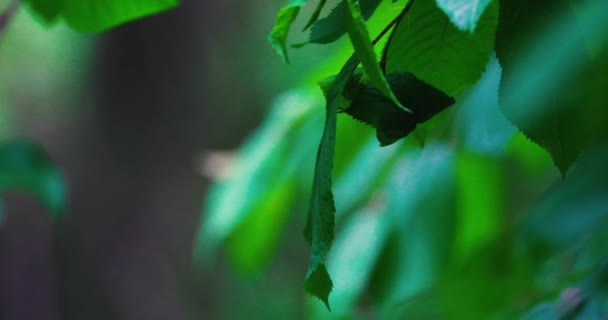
(129, 116)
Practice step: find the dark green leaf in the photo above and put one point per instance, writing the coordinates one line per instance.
(426, 44)
(391, 123)
(48, 10)
(574, 208)
(464, 14)
(320, 225)
(550, 88)
(26, 167)
(285, 17)
(359, 37)
(332, 27)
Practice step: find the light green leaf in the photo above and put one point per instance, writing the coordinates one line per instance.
(367, 169)
(480, 218)
(254, 240)
(359, 37)
(320, 225)
(280, 31)
(266, 159)
(421, 201)
(464, 14)
(26, 167)
(479, 124)
(96, 15)
(426, 44)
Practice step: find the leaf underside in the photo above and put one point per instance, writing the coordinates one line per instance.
(370, 106)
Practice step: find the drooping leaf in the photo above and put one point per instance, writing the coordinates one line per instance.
(334, 26)
(426, 44)
(352, 260)
(95, 15)
(26, 167)
(392, 123)
(285, 18)
(320, 223)
(549, 77)
(359, 37)
(464, 14)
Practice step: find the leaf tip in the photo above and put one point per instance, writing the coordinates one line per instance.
(318, 283)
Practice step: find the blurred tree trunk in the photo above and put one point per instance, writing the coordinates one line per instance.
(125, 253)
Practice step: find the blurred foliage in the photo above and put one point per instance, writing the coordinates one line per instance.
(478, 223)
(468, 217)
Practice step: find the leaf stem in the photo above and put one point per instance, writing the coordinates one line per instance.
(394, 23)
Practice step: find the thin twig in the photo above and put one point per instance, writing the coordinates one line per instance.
(396, 22)
(7, 15)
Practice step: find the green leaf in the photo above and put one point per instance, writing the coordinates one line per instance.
(272, 199)
(96, 15)
(464, 14)
(479, 124)
(426, 44)
(332, 27)
(285, 18)
(48, 10)
(320, 225)
(359, 37)
(367, 170)
(391, 123)
(26, 167)
(551, 89)
(268, 158)
(480, 218)
(352, 260)
(421, 202)
(573, 209)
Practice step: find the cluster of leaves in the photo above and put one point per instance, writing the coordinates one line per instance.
(464, 228)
